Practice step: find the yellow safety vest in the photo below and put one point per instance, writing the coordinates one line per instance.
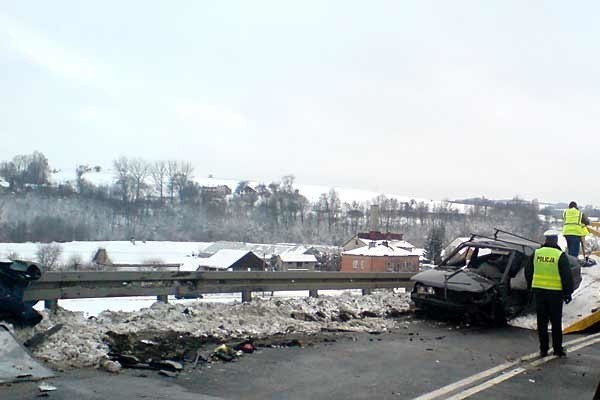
(545, 269)
(572, 222)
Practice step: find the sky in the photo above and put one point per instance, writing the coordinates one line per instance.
(432, 99)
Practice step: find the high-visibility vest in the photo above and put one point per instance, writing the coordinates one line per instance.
(572, 222)
(584, 230)
(545, 269)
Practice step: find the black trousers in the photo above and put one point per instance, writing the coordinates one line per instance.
(549, 304)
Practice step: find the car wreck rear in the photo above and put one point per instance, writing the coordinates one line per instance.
(483, 278)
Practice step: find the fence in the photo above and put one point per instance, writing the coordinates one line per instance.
(77, 285)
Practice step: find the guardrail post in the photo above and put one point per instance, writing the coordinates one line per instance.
(313, 293)
(51, 305)
(163, 297)
(246, 296)
(367, 291)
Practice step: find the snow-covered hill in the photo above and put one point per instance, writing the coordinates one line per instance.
(311, 192)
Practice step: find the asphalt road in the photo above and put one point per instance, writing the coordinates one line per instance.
(416, 359)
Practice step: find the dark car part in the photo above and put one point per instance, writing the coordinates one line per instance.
(15, 276)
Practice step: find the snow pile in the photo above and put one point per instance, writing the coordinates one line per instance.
(585, 299)
(80, 342)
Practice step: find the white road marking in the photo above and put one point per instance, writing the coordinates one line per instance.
(446, 390)
(489, 383)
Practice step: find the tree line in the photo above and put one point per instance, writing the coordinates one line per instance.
(160, 200)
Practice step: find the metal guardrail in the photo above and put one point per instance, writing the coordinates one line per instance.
(77, 285)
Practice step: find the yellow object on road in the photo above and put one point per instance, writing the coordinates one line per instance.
(584, 323)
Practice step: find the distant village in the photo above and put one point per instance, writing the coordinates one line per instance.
(371, 251)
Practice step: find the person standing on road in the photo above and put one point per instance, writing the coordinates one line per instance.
(549, 275)
(574, 222)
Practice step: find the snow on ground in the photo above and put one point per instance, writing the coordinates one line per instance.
(94, 306)
(585, 299)
(120, 252)
(80, 342)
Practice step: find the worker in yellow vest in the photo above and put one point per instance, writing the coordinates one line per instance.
(574, 222)
(549, 275)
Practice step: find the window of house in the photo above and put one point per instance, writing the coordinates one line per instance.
(355, 264)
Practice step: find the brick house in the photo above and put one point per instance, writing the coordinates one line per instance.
(379, 257)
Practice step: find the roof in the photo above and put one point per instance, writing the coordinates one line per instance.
(266, 250)
(501, 243)
(379, 251)
(223, 259)
(295, 257)
(403, 244)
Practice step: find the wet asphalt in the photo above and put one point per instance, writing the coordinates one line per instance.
(418, 357)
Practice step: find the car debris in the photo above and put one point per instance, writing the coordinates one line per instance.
(170, 374)
(483, 279)
(40, 337)
(46, 387)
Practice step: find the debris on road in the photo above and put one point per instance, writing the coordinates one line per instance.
(45, 387)
(170, 374)
(83, 342)
(39, 337)
(111, 366)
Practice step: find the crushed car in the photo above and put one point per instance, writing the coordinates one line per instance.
(482, 279)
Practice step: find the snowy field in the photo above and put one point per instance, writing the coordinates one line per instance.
(121, 252)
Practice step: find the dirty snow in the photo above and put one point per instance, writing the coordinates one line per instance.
(585, 299)
(80, 342)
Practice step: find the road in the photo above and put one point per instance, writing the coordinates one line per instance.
(418, 358)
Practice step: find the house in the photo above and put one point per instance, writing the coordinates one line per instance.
(379, 257)
(364, 238)
(102, 261)
(218, 190)
(295, 262)
(232, 260)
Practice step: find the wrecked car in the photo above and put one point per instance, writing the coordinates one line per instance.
(483, 278)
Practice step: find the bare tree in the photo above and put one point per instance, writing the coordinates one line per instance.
(184, 174)
(48, 255)
(159, 174)
(139, 170)
(79, 172)
(122, 172)
(172, 171)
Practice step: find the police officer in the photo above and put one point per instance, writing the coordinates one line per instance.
(549, 275)
(574, 222)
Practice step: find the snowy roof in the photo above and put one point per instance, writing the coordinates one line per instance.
(295, 257)
(378, 251)
(223, 259)
(265, 250)
(403, 244)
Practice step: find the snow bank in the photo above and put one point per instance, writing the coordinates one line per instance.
(585, 299)
(80, 342)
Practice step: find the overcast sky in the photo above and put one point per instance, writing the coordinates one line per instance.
(438, 99)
